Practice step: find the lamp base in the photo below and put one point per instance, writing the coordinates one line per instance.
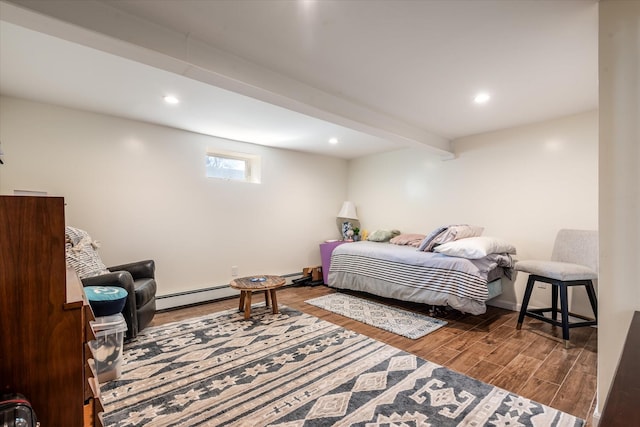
(345, 226)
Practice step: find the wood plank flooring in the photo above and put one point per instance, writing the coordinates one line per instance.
(531, 362)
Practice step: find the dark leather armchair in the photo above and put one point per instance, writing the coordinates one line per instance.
(138, 279)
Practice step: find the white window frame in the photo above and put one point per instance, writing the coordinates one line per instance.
(252, 165)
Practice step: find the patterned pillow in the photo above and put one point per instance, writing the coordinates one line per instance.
(81, 253)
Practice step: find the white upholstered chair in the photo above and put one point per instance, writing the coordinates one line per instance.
(574, 262)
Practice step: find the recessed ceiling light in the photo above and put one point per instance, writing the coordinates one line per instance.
(333, 141)
(170, 99)
(482, 98)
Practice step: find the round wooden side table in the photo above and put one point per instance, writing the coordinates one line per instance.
(247, 285)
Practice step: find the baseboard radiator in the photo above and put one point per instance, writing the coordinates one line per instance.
(205, 295)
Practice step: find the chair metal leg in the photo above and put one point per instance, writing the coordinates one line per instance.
(559, 290)
(591, 293)
(525, 301)
(554, 302)
(564, 309)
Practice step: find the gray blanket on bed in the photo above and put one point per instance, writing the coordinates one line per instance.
(405, 273)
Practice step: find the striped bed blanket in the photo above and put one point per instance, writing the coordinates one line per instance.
(404, 273)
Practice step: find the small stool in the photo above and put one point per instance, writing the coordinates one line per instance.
(106, 300)
(247, 285)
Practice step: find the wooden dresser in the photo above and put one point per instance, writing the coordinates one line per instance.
(44, 316)
(621, 408)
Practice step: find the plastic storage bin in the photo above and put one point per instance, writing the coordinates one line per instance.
(16, 411)
(107, 347)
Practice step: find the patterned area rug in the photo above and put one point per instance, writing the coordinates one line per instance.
(392, 319)
(292, 369)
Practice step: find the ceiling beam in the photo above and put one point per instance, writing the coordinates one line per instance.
(103, 27)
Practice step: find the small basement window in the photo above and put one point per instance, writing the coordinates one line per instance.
(233, 166)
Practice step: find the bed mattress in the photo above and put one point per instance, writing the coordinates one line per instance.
(404, 273)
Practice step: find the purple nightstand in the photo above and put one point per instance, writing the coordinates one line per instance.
(326, 249)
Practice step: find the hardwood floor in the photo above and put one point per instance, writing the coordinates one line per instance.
(531, 362)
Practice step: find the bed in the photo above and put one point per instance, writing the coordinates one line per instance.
(405, 273)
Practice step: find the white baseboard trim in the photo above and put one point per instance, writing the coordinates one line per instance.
(507, 305)
(205, 295)
(595, 418)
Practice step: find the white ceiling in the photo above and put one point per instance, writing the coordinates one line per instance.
(378, 75)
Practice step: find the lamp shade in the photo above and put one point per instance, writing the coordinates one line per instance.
(348, 211)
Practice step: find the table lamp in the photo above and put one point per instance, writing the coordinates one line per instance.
(347, 220)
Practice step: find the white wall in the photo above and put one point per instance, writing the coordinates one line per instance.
(619, 53)
(141, 190)
(522, 184)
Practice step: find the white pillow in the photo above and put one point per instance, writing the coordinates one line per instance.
(475, 247)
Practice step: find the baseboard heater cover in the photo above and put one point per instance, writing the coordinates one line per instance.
(204, 295)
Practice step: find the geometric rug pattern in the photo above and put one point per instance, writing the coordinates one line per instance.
(392, 319)
(292, 370)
